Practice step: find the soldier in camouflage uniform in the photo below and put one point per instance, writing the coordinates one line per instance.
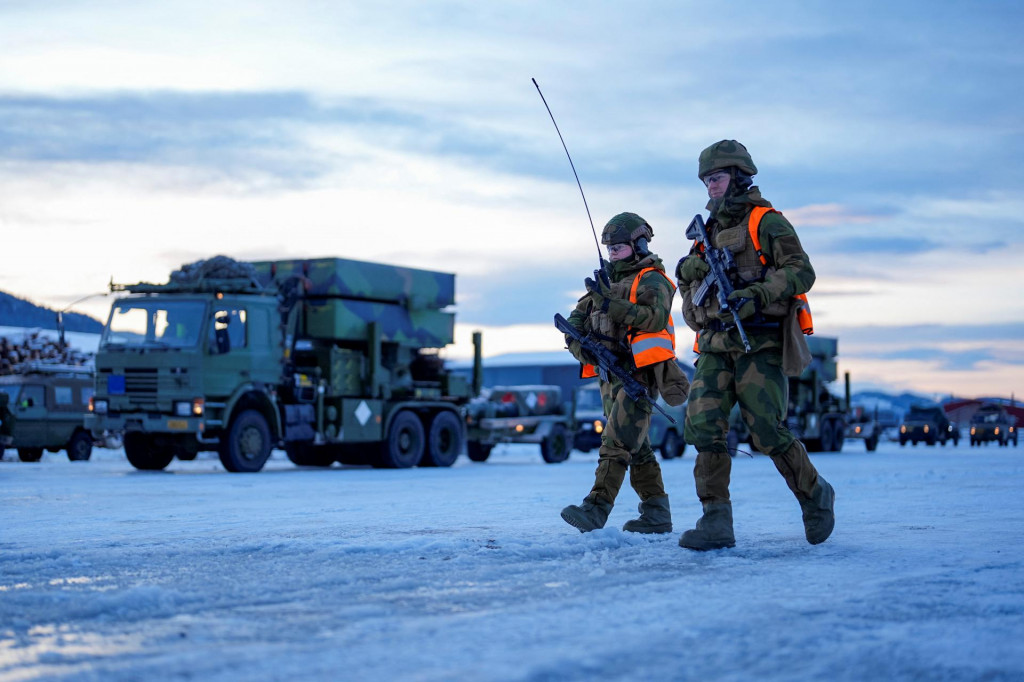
(725, 373)
(631, 315)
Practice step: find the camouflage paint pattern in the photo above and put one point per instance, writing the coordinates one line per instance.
(411, 287)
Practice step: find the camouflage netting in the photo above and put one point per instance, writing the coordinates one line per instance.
(218, 267)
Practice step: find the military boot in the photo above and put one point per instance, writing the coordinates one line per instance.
(819, 512)
(713, 531)
(587, 516)
(655, 517)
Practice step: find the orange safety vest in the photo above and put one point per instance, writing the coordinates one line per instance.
(803, 310)
(648, 348)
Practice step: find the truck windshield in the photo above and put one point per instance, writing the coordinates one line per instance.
(154, 324)
(588, 399)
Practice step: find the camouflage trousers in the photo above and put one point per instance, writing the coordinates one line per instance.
(756, 381)
(625, 446)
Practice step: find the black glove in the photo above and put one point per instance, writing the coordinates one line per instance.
(600, 290)
(691, 269)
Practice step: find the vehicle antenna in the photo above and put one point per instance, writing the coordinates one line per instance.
(600, 257)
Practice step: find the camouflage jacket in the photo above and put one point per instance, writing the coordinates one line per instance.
(787, 273)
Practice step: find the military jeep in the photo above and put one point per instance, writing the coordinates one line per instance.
(47, 405)
(665, 436)
(927, 424)
(992, 423)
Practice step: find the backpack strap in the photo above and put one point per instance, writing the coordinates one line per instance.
(753, 223)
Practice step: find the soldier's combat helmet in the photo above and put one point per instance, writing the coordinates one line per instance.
(725, 154)
(628, 228)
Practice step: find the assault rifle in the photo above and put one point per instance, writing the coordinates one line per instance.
(721, 263)
(607, 364)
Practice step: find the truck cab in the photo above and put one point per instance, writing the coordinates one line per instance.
(172, 366)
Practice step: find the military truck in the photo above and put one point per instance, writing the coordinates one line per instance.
(862, 424)
(329, 358)
(814, 415)
(992, 423)
(47, 403)
(665, 436)
(520, 414)
(927, 424)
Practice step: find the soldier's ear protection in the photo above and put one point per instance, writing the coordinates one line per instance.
(640, 237)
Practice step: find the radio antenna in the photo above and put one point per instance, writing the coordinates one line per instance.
(600, 256)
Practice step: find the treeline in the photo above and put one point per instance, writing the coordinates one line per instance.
(17, 312)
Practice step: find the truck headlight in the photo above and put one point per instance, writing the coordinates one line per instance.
(598, 426)
(189, 408)
(926, 428)
(98, 406)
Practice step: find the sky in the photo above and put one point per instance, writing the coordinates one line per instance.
(468, 573)
(135, 137)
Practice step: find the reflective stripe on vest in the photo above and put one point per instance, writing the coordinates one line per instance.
(648, 348)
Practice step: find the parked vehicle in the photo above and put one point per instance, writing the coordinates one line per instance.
(47, 404)
(992, 423)
(862, 424)
(331, 359)
(520, 414)
(665, 437)
(927, 424)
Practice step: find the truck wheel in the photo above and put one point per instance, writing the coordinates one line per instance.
(309, 455)
(143, 454)
(79, 447)
(403, 447)
(444, 441)
(672, 446)
(557, 446)
(839, 435)
(30, 454)
(246, 447)
(871, 443)
(477, 451)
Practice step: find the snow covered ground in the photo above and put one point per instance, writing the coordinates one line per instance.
(468, 573)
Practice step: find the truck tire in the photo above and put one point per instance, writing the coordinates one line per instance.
(838, 435)
(673, 445)
(871, 443)
(444, 440)
(246, 446)
(557, 446)
(142, 453)
(477, 451)
(79, 447)
(404, 445)
(30, 454)
(828, 436)
(309, 455)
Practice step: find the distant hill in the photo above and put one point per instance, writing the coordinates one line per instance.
(17, 312)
